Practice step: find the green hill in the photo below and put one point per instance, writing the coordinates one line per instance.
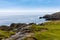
(47, 31)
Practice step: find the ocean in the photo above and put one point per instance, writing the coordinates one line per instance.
(7, 20)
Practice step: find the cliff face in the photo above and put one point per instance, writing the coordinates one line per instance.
(54, 16)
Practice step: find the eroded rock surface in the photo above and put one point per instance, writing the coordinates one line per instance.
(24, 31)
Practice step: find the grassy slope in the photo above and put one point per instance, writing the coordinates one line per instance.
(5, 34)
(53, 32)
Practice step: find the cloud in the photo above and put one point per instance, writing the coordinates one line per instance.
(42, 9)
(7, 12)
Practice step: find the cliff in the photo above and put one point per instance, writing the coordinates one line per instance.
(54, 16)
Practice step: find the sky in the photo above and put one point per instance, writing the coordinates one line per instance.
(15, 6)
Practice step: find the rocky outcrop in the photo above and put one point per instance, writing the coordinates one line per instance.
(21, 34)
(13, 26)
(4, 27)
(54, 16)
(22, 30)
(32, 24)
(17, 25)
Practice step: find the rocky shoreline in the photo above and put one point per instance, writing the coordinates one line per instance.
(21, 30)
(54, 16)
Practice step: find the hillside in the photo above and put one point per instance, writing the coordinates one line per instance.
(46, 31)
(54, 16)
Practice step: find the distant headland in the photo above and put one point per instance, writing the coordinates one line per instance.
(54, 16)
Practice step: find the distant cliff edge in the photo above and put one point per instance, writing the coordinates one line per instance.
(54, 16)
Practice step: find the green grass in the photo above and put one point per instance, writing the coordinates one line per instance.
(5, 34)
(53, 32)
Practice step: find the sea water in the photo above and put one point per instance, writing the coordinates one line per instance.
(7, 20)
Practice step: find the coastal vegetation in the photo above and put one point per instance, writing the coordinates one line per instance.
(47, 31)
(5, 34)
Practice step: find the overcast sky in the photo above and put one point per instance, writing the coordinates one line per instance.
(24, 6)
